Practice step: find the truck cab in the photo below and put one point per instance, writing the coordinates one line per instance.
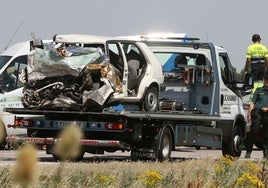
(219, 96)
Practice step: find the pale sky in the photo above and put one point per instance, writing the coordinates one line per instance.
(229, 23)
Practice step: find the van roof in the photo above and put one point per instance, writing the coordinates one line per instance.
(21, 48)
(81, 38)
(158, 37)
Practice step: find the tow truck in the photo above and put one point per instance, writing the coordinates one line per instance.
(196, 114)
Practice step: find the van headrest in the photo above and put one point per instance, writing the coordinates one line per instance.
(201, 60)
(180, 60)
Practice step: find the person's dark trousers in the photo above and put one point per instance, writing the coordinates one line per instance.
(258, 70)
(254, 129)
(265, 134)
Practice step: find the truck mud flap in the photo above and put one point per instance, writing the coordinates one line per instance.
(84, 142)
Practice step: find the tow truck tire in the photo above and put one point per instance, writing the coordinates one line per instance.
(151, 100)
(165, 145)
(3, 134)
(197, 147)
(234, 147)
(76, 159)
(258, 144)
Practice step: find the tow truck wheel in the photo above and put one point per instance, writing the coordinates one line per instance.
(197, 147)
(234, 147)
(151, 100)
(76, 159)
(258, 144)
(165, 145)
(3, 135)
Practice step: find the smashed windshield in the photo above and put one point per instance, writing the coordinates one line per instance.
(60, 61)
(4, 60)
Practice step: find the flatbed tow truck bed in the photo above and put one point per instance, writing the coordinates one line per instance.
(176, 115)
(144, 133)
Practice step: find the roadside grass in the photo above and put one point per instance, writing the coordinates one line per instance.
(222, 172)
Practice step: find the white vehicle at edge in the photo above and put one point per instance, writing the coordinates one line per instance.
(12, 61)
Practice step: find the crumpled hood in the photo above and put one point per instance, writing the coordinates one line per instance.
(69, 78)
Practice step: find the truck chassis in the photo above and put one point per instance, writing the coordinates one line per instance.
(150, 135)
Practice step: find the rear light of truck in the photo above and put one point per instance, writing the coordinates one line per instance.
(114, 126)
(21, 122)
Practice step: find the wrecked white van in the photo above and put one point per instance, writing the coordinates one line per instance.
(89, 73)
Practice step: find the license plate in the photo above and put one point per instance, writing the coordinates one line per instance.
(62, 124)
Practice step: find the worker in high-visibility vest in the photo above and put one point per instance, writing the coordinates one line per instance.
(256, 64)
(256, 59)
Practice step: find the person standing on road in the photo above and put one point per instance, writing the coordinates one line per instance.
(258, 117)
(256, 59)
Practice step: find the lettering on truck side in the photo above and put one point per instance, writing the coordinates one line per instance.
(230, 98)
(228, 101)
(10, 102)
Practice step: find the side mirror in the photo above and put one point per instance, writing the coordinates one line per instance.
(247, 85)
(249, 82)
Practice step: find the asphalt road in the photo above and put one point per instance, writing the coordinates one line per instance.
(8, 157)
